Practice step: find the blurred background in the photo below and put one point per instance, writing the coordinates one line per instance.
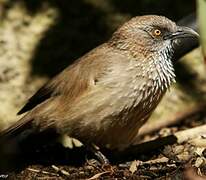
(39, 38)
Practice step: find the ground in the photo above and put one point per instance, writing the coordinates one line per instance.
(177, 161)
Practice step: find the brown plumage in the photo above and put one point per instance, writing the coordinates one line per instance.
(106, 95)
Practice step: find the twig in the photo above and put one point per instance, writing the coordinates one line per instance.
(186, 135)
(154, 126)
(155, 161)
(161, 160)
(43, 172)
(62, 171)
(179, 137)
(201, 5)
(97, 176)
(154, 164)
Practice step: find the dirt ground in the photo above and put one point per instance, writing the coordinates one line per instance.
(177, 161)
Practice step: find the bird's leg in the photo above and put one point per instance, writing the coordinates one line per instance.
(101, 157)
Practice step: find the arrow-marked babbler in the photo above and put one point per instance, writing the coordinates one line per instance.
(105, 96)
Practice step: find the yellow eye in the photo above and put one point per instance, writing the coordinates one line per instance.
(157, 32)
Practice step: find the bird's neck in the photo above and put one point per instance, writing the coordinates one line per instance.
(155, 67)
(157, 72)
(163, 66)
(156, 64)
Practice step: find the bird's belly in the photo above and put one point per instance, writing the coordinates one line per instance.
(124, 127)
(114, 125)
(120, 135)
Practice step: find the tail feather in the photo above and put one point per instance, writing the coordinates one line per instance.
(26, 135)
(21, 140)
(11, 142)
(21, 126)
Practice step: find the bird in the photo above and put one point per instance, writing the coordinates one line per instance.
(106, 95)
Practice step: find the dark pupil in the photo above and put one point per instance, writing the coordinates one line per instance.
(157, 32)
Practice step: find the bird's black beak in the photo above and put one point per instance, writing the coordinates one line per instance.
(182, 41)
(182, 32)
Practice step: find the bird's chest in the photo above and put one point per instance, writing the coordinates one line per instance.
(129, 113)
(137, 99)
(134, 101)
(143, 87)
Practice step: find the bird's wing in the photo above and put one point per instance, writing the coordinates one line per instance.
(41, 95)
(73, 81)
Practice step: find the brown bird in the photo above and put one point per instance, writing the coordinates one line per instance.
(109, 93)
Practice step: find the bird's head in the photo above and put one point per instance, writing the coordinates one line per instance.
(150, 34)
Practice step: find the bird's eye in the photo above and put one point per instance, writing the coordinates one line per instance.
(157, 32)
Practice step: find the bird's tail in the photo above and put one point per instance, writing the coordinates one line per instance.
(25, 135)
(23, 138)
(10, 141)
(11, 137)
(20, 129)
